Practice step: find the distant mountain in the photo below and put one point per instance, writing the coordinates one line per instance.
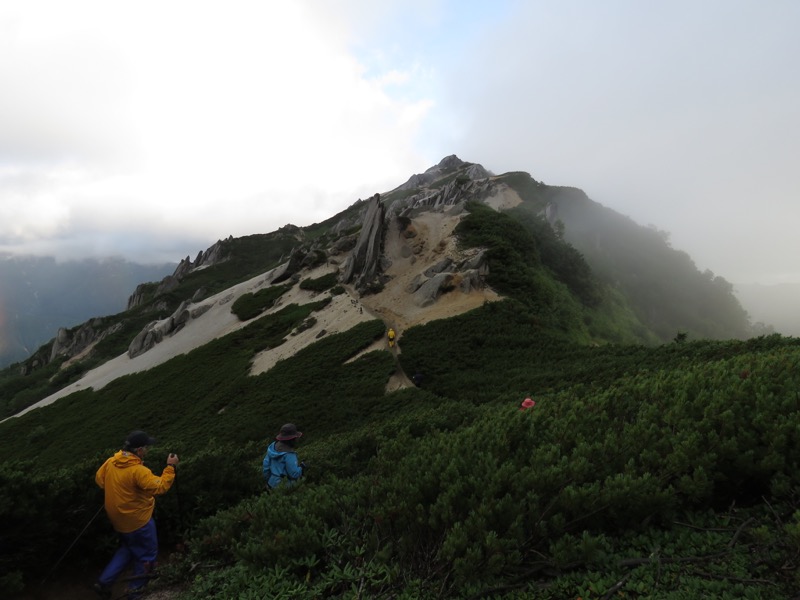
(590, 273)
(652, 409)
(776, 306)
(38, 295)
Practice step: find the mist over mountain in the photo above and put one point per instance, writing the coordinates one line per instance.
(663, 285)
(38, 295)
(590, 272)
(658, 408)
(776, 306)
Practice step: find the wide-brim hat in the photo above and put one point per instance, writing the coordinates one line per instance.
(527, 403)
(288, 432)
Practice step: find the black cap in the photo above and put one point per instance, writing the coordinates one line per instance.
(137, 439)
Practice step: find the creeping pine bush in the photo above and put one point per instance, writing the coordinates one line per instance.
(633, 480)
(672, 470)
(319, 284)
(251, 304)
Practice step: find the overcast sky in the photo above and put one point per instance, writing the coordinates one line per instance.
(151, 129)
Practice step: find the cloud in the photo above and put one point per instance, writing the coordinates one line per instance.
(187, 118)
(682, 115)
(152, 123)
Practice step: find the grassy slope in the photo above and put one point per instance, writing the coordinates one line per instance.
(446, 489)
(457, 450)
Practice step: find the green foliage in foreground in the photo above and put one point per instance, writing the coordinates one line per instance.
(650, 485)
(646, 469)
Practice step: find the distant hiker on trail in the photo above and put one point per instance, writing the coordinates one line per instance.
(527, 403)
(130, 490)
(390, 335)
(280, 462)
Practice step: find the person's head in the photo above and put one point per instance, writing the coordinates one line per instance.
(289, 434)
(138, 442)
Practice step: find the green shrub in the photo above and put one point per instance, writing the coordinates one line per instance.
(319, 284)
(252, 304)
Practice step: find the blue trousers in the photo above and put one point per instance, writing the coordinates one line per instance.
(139, 547)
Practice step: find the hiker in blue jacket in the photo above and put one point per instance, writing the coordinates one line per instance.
(280, 461)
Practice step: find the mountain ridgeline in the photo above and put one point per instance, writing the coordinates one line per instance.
(661, 458)
(40, 295)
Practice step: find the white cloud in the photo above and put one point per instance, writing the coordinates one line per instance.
(144, 124)
(682, 115)
(190, 118)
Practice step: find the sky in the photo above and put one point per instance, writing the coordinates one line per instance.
(149, 130)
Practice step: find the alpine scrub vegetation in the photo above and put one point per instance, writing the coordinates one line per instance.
(251, 305)
(319, 284)
(646, 469)
(669, 472)
(655, 483)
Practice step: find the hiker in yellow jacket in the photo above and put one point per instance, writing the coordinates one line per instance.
(130, 491)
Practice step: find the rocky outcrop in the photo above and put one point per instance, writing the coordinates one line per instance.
(343, 244)
(155, 331)
(69, 343)
(447, 275)
(477, 171)
(430, 289)
(458, 191)
(288, 269)
(446, 166)
(139, 296)
(351, 219)
(146, 291)
(363, 267)
(148, 337)
(551, 213)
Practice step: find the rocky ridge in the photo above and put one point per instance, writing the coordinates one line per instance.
(402, 265)
(363, 261)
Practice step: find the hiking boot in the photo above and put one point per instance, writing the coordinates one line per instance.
(102, 591)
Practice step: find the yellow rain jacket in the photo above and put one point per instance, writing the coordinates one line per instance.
(131, 489)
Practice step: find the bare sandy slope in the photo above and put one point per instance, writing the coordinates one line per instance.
(409, 256)
(215, 322)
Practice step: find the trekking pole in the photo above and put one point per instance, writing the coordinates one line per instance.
(58, 562)
(178, 505)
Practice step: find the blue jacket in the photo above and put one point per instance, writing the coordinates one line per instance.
(281, 462)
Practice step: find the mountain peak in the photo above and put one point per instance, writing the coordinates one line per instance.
(448, 162)
(445, 167)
